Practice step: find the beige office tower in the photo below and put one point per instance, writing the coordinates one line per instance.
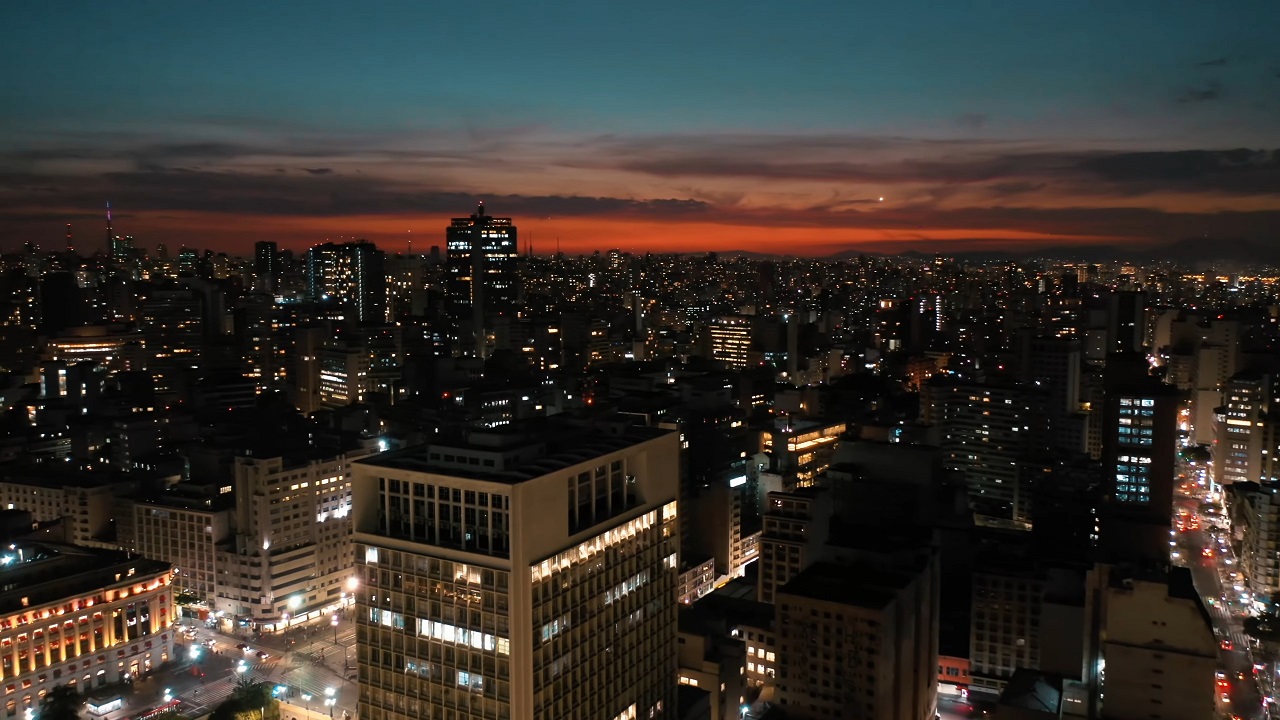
(520, 573)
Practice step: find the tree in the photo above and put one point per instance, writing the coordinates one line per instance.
(249, 701)
(61, 703)
(244, 687)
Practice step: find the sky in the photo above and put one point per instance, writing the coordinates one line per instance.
(806, 128)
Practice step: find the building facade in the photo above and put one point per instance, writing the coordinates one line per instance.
(352, 274)
(79, 617)
(290, 559)
(858, 641)
(519, 574)
(481, 278)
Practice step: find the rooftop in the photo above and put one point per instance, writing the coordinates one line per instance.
(44, 573)
(520, 452)
(856, 585)
(1033, 690)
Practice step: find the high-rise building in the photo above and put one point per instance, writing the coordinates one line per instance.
(730, 340)
(859, 641)
(352, 274)
(266, 265)
(1126, 324)
(523, 572)
(1239, 433)
(1258, 521)
(188, 532)
(801, 449)
(1151, 648)
(796, 526)
(1053, 364)
(481, 278)
(1140, 437)
(986, 430)
(171, 319)
(291, 556)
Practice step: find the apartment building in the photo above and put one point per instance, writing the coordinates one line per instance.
(290, 559)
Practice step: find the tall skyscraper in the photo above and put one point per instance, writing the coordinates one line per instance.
(730, 340)
(482, 279)
(528, 572)
(1140, 437)
(266, 264)
(352, 274)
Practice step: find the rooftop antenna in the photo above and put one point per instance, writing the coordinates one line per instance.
(71, 248)
(110, 235)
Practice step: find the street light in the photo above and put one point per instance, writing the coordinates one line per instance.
(330, 700)
(306, 698)
(334, 623)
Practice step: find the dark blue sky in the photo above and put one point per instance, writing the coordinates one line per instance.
(975, 121)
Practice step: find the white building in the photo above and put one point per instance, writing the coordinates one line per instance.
(291, 558)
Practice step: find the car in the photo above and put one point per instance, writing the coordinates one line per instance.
(1226, 698)
(262, 655)
(1221, 675)
(244, 647)
(1226, 645)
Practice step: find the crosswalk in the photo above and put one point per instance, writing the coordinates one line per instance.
(308, 681)
(208, 696)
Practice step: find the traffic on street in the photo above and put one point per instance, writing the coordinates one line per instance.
(1201, 541)
(310, 667)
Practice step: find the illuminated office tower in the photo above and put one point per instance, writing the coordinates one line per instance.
(1140, 437)
(519, 573)
(1239, 428)
(352, 274)
(481, 278)
(730, 340)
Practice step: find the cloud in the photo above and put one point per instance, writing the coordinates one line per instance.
(314, 194)
(772, 182)
(972, 122)
(1212, 91)
(1241, 171)
(1087, 173)
(1216, 62)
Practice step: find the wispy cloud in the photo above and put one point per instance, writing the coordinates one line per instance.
(1205, 93)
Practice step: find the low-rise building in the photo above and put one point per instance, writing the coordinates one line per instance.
(80, 617)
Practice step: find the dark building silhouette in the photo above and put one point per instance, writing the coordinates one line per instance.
(481, 277)
(61, 305)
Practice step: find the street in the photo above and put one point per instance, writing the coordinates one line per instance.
(316, 663)
(1192, 540)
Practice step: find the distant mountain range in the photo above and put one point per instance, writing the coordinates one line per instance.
(1191, 252)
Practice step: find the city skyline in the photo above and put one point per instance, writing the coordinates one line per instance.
(716, 128)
